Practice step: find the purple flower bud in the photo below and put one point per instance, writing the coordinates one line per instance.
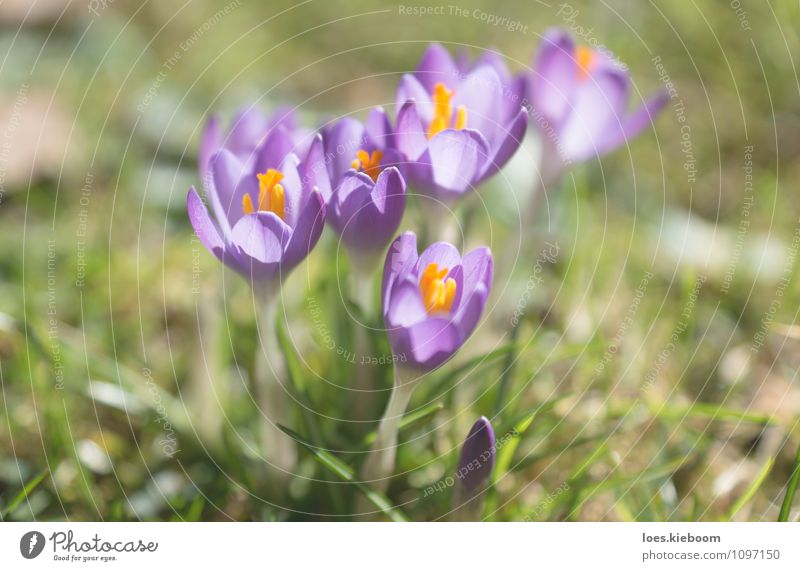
(477, 456)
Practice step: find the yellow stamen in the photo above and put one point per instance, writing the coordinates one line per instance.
(461, 117)
(443, 111)
(369, 163)
(270, 195)
(586, 58)
(437, 293)
(247, 204)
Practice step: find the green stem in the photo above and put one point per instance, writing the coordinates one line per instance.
(379, 464)
(791, 488)
(271, 393)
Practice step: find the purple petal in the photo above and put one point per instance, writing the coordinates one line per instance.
(456, 158)
(410, 134)
(444, 254)
(497, 62)
(635, 123)
(271, 153)
(555, 76)
(470, 310)
(295, 193)
(226, 172)
(478, 269)
(482, 94)
(348, 200)
(210, 142)
(380, 213)
(436, 65)
(477, 457)
(246, 132)
(507, 144)
(411, 89)
(306, 231)
(432, 342)
(405, 306)
(379, 129)
(342, 142)
(314, 170)
(203, 225)
(259, 240)
(598, 105)
(400, 258)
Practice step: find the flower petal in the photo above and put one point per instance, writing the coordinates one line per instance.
(226, 172)
(456, 158)
(433, 341)
(506, 144)
(259, 240)
(555, 76)
(400, 259)
(409, 134)
(314, 171)
(436, 65)
(442, 253)
(481, 93)
(342, 142)
(411, 89)
(405, 305)
(210, 142)
(203, 225)
(379, 129)
(634, 123)
(248, 128)
(598, 105)
(306, 231)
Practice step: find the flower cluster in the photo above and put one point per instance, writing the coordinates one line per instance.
(273, 185)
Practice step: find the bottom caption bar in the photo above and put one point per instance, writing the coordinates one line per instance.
(354, 546)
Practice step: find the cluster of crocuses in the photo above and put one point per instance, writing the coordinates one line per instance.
(272, 186)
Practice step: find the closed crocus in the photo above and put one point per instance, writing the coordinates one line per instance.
(368, 191)
(475, 465)
(458, 125)
(580, 98)
(431, 304)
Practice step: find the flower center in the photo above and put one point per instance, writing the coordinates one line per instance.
(443, 111)
(369, 163)
(270, 195)
(586, 59)
(437, 293)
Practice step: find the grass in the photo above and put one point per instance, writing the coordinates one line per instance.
(654, 402)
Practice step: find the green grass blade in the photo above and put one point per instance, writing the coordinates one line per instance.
(788, 498)
(751, 489)
(410, 419)
(505, 451)
(347, 474)
(29, 487)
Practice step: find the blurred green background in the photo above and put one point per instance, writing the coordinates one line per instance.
(657, 352)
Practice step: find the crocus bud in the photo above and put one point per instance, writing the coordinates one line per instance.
(477, 457)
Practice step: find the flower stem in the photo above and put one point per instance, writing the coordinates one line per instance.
(363, 378)
(278, 449)
(379, 464)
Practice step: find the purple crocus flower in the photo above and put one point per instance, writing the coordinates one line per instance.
(477, 456)
(580, 101)
(267, 216)
(367, 190)
(433, 301)
(249, 129)
(456, 126)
